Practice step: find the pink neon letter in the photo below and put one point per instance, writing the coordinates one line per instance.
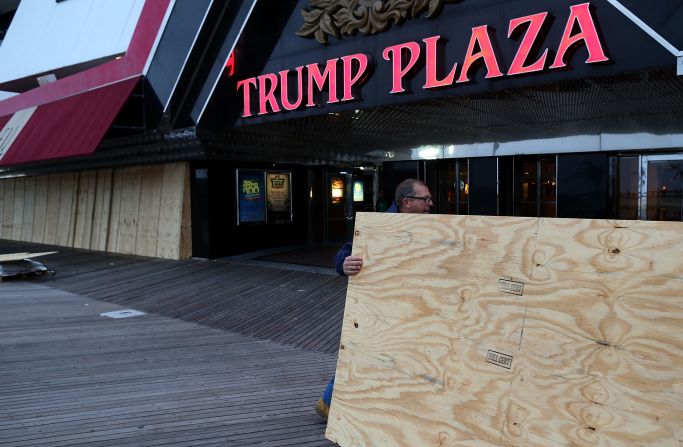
(535, 24)
(480, 34)
(395, 54)
(349, 79)
(589, 35)
(317, 78)
(284, 93)
(267, 97)
(245, 84)
(432, 81)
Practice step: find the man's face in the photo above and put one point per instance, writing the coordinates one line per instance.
(418, 204)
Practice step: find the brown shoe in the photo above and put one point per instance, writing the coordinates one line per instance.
(322, 409)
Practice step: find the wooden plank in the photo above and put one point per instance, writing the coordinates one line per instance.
(467, 330)
(115, 210)
(168, 244)
(2, 203)
(18, 208)
(52, 212)
(102, 203)
(84, 209)
(8, 210)
(67, 209)
(150, 202)
(29, 208)
(130, 210)
(40, 214)
(185, 251)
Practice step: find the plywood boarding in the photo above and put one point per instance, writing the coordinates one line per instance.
(40, 213)
(142, 210)
(130, 210)
(85, 204)
(150, 201)
(170, 216)
(185, 251)
(115, 210)
(54, 184)
(8, 210)
(103, 202)
(29, 208)
(491, 331)
(19, 195)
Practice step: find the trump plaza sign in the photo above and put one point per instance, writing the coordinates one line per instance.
(341, 79)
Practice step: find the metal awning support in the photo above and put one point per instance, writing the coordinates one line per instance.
(652, 33)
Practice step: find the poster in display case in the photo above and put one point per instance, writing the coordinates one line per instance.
(279, 197)
(251, 194)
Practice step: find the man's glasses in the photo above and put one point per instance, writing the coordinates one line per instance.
(425, 199)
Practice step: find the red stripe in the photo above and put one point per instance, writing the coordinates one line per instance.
(69, 127)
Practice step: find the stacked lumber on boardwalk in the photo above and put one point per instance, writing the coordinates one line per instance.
(504, 331)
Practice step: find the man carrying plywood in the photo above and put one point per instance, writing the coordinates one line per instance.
(412, 196)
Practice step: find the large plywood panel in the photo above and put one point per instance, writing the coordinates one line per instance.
(103, 204)
(185, 251)
(18, 208)
(150, 202)
(40, 215)
(475, 331)
(8, 210)
(54, 186)
(129, 210)
(85, 194)
(115, 210)
(29, 209)
(170, 217)
(67, 209)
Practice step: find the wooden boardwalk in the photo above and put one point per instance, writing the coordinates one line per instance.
(227, 354)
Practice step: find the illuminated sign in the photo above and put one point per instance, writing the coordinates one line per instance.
(337, 190)
(358, 191)
(341, 79)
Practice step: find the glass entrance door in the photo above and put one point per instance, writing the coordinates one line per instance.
(661, 189)
(347, 191)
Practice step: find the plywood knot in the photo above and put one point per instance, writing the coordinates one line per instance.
(614, 251)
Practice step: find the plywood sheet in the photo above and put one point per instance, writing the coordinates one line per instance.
(85, 203)
(8, 210)
(130, 209)
(29, 209)
(150, 201)
(19, 195)
(170, 216)
(478, 331)
(103, 205)
(8, 257)
(40, 216)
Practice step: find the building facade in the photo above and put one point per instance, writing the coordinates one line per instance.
(199, 128)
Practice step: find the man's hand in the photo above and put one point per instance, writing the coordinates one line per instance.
(352, 265)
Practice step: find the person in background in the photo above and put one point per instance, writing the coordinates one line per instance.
(412, 196)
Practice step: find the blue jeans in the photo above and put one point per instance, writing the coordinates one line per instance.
(327, 394)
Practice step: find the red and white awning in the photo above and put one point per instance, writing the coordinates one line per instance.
(69, 117)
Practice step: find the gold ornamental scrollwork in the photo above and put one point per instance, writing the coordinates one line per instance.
(325, 18)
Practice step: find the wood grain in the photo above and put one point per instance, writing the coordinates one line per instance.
(469, 330)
